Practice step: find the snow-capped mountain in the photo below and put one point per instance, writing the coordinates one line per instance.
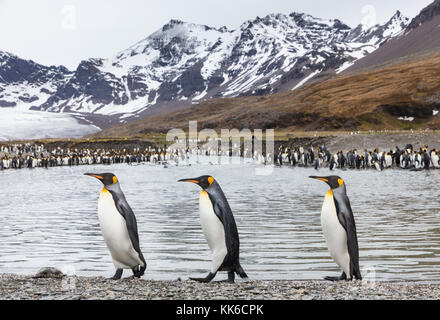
(183, 63)
(24, 83)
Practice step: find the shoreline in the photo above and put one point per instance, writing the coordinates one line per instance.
(20, 287)
(333, 141)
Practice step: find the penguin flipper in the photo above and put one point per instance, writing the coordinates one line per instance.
(125, 210)
(224, 213)
(241, 272)
(130, 220)
(346, 219)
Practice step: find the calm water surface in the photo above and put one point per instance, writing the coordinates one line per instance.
(49, 218)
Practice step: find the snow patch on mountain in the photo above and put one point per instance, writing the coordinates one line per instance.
(302, 82)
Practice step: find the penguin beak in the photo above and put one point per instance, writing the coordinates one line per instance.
(319, 178)
(189, 180)
(94, 175)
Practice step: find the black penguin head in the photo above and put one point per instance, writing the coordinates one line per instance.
(204, 181)
(334, 182)
(107, 179)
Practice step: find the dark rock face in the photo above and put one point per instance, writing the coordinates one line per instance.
(136, 87)
(427, 14)
(192, 81)
(28, 99)
(416, 111)
(167, 91)
(15, 70)
(7, 104)
(89, 80)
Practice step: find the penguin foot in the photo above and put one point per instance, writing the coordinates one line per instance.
(231, 278)
(117, 275)
(343, 277)
(333, 279)
(225, 281)
(208, 278)
(203, 280)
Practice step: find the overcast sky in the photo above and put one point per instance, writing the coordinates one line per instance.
(54, 32)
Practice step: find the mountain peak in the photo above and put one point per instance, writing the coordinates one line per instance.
(398, 14)
(172, 23)
(340, 25)
(399, 17)
(175, 24)
(4, 55)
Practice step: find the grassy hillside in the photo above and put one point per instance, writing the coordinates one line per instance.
(372, 100)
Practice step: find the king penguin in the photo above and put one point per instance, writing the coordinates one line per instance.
(219, 228)
(119, 227)
(339, 229)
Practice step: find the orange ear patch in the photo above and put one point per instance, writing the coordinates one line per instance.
(115, 180)
(210, 180)
(340, 182)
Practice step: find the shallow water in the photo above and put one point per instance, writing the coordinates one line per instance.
(49, 218)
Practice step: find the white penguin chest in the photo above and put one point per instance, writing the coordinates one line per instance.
(109, 216)
(212, 226)
(115, 233)
(388, 160)
(335, 235)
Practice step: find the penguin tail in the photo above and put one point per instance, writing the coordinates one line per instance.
(144, 267)
(241, 272)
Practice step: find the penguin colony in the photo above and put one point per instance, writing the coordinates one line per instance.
(19, 156)
(407, 158)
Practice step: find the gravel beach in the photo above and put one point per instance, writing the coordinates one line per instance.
(16, 287)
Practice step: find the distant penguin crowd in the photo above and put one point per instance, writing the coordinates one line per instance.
(18, 156)
(407, 158)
